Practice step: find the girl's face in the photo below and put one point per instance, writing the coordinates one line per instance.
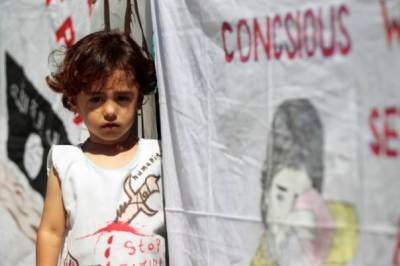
(286, 186)
(109, 113)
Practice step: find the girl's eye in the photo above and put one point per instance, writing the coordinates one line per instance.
(123, 98)
(95, 99)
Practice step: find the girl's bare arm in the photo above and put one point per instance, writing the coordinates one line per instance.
(50, 234)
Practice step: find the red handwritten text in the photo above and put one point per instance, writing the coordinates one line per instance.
(392, 26)
(149, 262)
(294, 35)
(381, 124)
(65, 32)
(141, 247)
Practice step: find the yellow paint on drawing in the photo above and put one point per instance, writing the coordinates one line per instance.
(345, 241)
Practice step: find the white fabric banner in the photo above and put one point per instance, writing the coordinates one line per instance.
(32, 117)
(280, 129)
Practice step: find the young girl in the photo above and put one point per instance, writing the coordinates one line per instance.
(103, 203)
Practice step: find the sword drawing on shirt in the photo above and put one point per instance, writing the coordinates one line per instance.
(128, 210)
(70, 260)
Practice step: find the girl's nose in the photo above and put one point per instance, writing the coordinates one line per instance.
(109, 111)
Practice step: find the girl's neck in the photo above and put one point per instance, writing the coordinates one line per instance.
(90, 146)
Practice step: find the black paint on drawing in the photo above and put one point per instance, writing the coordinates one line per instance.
(29, 113)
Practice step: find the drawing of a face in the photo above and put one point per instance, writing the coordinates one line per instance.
(300, 225)
(294, 161)
(286, 186)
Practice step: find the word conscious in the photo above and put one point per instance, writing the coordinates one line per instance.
(297, 34)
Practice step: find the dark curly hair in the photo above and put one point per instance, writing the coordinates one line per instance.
(94, 58)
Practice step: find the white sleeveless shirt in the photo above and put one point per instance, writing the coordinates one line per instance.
(114, 217)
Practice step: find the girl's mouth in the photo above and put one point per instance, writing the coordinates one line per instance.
(110, 125)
